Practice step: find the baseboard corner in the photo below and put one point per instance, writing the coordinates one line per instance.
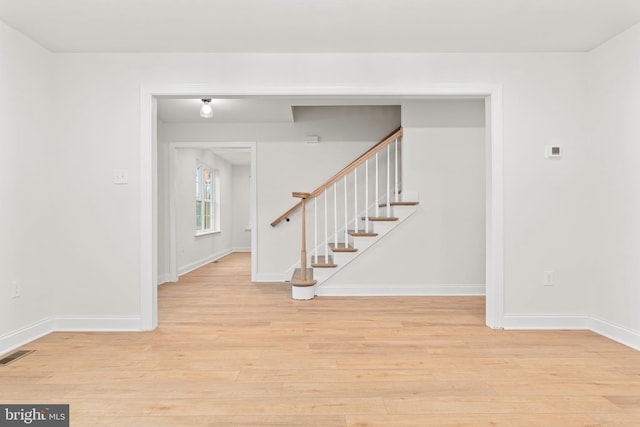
(615, 332)
(22, 336)
(545, 321)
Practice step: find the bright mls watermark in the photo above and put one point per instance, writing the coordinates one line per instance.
(34, 415)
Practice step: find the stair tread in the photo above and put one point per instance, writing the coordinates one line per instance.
(381, 218)
(341, 247)
(362, 233)
(323, 262)
(383, 205)
(297, 280)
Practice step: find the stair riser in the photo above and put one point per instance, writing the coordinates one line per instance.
(383, 211)
(362, 243)
(341, 258)
(402, 211)
(405, 196)
(397, 211)
(321, 274)
(383, 227)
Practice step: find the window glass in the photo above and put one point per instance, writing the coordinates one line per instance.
(198, 215)
(198, 184)
(207, 183)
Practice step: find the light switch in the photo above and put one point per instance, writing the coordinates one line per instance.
(120, 176)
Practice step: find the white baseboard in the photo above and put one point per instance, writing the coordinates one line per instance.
(545, 321)
(615, 332)
(97, 323)
(25, 335)
(164, 278)
(271, 277)
(241, 249)
(400, 290)
(32, 332)
(199, 263)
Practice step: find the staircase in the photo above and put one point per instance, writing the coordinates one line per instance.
(358, 242)
(349, 213)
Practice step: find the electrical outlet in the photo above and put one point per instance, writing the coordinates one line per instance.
(548, 278)
(16, 286)
(552, 152)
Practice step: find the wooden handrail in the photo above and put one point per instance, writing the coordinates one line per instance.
(337, 177)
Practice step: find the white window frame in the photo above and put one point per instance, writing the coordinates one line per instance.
(207, 221)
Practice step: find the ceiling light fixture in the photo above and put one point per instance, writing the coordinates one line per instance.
(206, 111)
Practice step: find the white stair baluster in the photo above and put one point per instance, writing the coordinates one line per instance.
(377, 190)
(326, 228)
(396, 168)
(388, 181)
(335, 212)
(315, 226)
(355, 199)
(346, 213)
(366, 196)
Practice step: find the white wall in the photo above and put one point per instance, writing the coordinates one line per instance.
(614, 134)
(576, 216)
(97, 262)
(194, 251)
(443, 148)
(241, 233)
(164, 254)
(547, 211)
(28, 184)
(444, 151)
(286, 163)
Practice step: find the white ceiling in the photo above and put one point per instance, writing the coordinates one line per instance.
(320, 25)
(242, 110)
(271, 109)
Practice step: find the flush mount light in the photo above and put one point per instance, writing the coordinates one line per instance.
(206, 111)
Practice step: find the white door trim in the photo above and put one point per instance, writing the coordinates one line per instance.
(173, 146)
(148, 177)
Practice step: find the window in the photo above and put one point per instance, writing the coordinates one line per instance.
(207, 200)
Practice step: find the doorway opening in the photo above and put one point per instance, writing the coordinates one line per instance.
(185, 240)
(494, 204)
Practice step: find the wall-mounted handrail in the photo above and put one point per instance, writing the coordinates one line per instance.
(357, 162)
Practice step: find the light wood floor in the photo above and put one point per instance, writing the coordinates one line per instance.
(231, 353)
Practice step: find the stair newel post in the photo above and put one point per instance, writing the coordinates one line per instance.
(303, 245)
(302, 281)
